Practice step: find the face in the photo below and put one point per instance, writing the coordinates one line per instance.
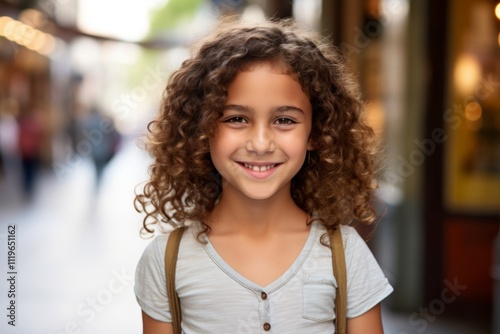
(262, 138)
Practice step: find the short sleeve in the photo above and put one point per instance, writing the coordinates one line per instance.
(150, 284)
(366, 283)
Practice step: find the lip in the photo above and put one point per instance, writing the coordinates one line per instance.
(266, 169)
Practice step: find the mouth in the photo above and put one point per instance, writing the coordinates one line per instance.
(259, 167)
(256, 168)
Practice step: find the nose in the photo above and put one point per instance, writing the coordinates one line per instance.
(260, 140)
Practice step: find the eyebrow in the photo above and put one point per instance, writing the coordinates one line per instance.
(280, 109)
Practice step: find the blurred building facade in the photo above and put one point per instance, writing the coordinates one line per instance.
(433, 68)
(430, 75)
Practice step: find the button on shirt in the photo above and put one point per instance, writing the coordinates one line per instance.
(300, 301)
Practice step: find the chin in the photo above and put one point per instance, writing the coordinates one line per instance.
(260, 194)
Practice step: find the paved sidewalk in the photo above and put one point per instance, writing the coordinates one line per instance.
(76, 251)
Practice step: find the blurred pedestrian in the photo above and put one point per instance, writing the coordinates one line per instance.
(9, 134)
(100, 132)
(30, 141)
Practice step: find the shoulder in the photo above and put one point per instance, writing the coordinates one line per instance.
(154, 253)
(350, 237)
(157, 245)
(355, 246)
(153, 256)
(150, 283)
(366, 283)
(150, 279)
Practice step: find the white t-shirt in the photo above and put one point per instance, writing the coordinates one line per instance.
(216, 299)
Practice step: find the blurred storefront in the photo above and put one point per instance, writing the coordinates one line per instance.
(471, 157)
(431, 77)
(61, 62)
(25, 93)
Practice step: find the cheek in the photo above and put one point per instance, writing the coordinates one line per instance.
(215, 140)
(297, 143)
(218, 140)
(301, 154)
(221, 146)
(215, 150)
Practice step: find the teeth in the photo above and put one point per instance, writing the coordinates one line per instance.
(259, 168)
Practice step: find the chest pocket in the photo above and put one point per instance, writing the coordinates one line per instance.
(318, 297)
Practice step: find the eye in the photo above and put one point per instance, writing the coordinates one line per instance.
(285, 121)
(235, 119)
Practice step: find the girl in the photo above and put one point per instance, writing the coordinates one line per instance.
(261, 149)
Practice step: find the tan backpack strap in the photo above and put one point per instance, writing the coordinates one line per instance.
(339, 270)
(171, 252)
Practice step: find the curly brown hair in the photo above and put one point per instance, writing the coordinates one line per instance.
(335, 184)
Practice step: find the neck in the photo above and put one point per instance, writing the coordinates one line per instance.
(235, 213)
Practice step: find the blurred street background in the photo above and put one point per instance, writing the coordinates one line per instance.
(80, 80)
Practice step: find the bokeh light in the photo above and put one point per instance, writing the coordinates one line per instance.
(473, 111)
(467, 74)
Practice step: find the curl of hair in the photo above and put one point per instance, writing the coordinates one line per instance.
(337, 182)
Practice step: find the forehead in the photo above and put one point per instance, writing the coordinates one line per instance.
(275, 67)
(264, 85)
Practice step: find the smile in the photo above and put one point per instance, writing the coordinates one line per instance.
(259, 168)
